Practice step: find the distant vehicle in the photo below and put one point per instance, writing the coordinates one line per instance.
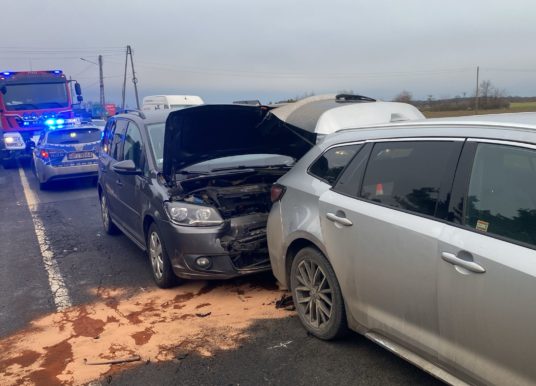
(325, 114)
(66, 153)
(422, 237)
(170, 102)
(29, 101)
(192, 187)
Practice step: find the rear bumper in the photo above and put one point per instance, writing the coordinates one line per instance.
(47, 173)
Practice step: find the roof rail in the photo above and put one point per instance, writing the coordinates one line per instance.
(140, 113)
(349, 98)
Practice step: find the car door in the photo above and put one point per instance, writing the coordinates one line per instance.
(381, 237)
(112, 152)
(486, 278)
(131, 185)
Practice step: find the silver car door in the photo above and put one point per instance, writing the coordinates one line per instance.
(487, 270)
(382, 241)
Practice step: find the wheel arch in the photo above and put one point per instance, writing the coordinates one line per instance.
(298, 243)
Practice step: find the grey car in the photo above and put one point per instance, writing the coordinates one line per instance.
(422, 237)
(192, 187)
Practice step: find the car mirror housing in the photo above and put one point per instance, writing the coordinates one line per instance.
(127, 167)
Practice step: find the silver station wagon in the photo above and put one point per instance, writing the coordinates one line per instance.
(422, 237)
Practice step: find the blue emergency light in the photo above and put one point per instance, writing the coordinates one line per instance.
(58, 123)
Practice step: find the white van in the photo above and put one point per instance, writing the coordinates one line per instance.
(171, 102)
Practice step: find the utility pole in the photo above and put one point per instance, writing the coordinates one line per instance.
(124, 82)
(101, 82)
(134, 79)
(476, 94)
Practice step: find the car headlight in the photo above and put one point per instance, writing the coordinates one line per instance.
(183, 213)
(14, 141)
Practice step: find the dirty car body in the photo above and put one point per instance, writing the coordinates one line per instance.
(203, 178)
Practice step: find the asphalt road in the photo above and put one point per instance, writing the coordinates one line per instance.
(272, 351)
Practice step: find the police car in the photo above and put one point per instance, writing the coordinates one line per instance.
(66, 150)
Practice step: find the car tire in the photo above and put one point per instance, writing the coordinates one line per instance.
(163, 274)
(107, 222)
(43, 185)
(9, 163)
(317, 295)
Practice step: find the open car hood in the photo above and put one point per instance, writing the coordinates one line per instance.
(207, 132)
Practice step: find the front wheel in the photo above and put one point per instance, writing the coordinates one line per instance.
(161, 266)
(317, 295)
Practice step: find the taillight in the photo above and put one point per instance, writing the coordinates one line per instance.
(44, 154)
(277, 192)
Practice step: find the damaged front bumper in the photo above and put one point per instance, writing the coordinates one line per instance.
(237, 247)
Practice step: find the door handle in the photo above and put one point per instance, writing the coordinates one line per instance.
(118, 182)
(469, 265)
(339, 220)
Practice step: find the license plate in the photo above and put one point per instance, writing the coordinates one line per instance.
(80, 155)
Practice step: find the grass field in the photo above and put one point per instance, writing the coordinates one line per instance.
(515, 107)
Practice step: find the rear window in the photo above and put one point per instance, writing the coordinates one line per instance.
(73, 136)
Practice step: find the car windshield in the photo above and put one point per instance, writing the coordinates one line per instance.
(73, 136)
(35, 96)
(156, 137)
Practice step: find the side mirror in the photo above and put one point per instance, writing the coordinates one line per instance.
(3, 90)
(79, 98)
(126, 167)
(77, 89)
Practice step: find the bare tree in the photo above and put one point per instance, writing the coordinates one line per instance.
(404, 97)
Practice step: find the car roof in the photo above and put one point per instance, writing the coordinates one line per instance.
(511, 126)
(364, 114)
(305, 112)
(148, 117)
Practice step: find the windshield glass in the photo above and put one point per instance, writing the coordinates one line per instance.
(74, 136)
(156, 137)
(35, 96)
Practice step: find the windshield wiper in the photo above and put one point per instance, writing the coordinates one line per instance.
(190, 173)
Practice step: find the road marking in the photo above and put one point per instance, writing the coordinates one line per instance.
(60, 293)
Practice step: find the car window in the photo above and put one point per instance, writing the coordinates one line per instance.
(132, 147)
(115, 149)
(156, 138)
(107, 136)
(329, 165)
(502, 192)
(349, 182)
(74, 136)
(408, 175)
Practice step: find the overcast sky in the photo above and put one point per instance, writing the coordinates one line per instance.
(273, 50)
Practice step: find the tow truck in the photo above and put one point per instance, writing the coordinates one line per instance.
(29, 102)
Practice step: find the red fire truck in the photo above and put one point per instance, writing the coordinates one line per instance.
(29, 102)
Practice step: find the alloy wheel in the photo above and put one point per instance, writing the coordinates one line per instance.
(156, 255)
(313, 293)
(104, 211)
